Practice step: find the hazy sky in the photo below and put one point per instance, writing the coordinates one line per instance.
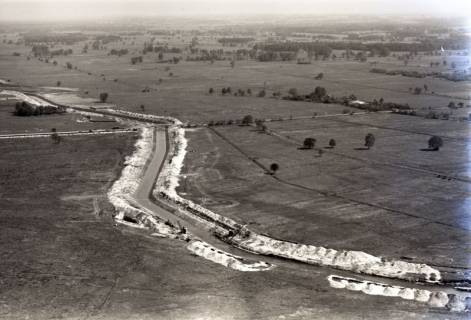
(92, 9)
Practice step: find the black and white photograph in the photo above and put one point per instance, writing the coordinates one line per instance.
(235, 159)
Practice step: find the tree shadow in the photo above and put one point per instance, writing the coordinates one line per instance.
(429, 149)
(362, 148)
(305, 148)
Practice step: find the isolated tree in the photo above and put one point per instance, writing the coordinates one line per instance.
(261, 93)
(103, 97)
(58, 84)
(232, 63)
(143, 108)
(309, 143)
(435, 143)
(452, 105)
(369, 140)
(211, 91)
(417, 90)
(319, 76)
(247, 120)
(274, 167)
(318, 92)
(161, 56)
(332, 143)
(249, 91)
(425, 87)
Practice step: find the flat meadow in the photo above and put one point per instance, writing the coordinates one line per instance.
(394, 200)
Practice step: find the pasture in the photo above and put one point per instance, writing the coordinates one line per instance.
(396, 199)
(181, 90)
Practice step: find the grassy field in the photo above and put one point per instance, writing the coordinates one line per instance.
(60, 260)
(391, 200)
(346, 198)
(9, 123)
(185, 93)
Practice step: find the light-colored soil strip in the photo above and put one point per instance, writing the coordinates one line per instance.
(240, 236)
(209, 252)
(64, 133)
(435, 299)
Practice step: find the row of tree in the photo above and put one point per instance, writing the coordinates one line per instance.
(25, 109)
(434, 143)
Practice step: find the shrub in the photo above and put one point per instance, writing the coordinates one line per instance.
(103, 97)
(332, 143)
(247, 120)
(369, 140)
(435, 143)
(309, 143)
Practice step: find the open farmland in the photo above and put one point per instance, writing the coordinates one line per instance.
(10, 124)
(180, 168)
(62, 258)
(385, 200)
(181, 89)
